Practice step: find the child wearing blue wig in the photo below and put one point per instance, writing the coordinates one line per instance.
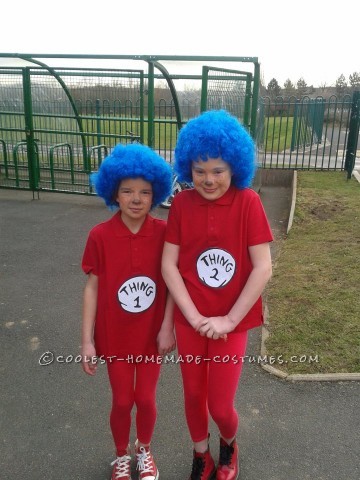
(127, 314)
(216, 263)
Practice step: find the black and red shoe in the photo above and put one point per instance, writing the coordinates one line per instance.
(203, 467)
(228, 467)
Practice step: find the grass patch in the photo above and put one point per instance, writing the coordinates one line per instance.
(314, 295)
(278, 133)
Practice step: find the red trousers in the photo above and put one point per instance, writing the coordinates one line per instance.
(132, 383)
(210, 384)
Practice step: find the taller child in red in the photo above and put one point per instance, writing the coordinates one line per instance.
(126, 311)
(216, 263)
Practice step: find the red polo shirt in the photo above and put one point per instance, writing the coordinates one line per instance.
(214, 239)
(131, 290)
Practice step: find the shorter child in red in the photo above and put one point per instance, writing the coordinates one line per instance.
(216, 263)
(127, 314)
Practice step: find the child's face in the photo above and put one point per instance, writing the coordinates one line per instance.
(211, 178)
(134, 196)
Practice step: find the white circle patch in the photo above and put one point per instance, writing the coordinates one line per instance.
(137, 294)
(215, 267)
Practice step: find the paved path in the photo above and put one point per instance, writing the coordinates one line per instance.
(54, 419)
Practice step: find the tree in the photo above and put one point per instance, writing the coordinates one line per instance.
(341, 85)
(354, 80)
(323, 86)
(301, 86)
(289, 88)
(273, 88)
(262, 85)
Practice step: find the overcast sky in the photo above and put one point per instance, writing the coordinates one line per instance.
(308, 38)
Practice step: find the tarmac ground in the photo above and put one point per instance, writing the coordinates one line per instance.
(54, 419)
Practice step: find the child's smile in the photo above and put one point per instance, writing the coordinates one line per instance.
(211, 178)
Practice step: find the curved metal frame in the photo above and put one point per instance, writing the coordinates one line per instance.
(67, 93)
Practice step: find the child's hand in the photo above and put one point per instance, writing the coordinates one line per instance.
(216, 327)
(88, 353)
(198, 322)
(166, 342)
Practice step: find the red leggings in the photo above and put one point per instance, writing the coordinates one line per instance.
(210, 386)
(132, 383)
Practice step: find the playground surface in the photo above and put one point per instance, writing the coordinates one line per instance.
(54, 418)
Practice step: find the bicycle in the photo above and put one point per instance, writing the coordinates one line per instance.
(134, 138)
(176, 187)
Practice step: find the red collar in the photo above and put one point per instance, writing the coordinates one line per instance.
(121, 230)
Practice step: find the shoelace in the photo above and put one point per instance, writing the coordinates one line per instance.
(226, 452)
(144, 461)
(122, 466)
(197, 468)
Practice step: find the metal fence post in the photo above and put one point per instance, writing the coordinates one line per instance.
(204, 87)
(98, 127)
(255, 99)
(353, 134)
(29, 131)
(151, 129)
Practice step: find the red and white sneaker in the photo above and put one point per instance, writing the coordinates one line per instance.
(122, 468)
(203, 467)
(228, 466)
(145, 463)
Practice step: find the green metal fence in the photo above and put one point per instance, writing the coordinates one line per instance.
(229, 90)
(308, 133)
(309, 116)
(57, 124)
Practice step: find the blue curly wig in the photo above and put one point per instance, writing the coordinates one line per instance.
(132, 161)
(214, 134)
